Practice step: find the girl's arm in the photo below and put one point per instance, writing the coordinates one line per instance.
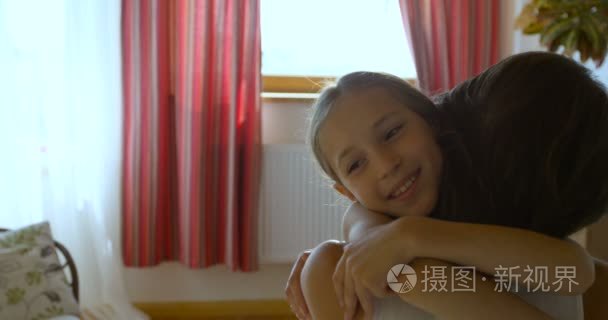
(357, 221)
(486, 247)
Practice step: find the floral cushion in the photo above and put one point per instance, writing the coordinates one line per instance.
(33, 285)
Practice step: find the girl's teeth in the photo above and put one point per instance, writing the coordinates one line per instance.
(404, 187)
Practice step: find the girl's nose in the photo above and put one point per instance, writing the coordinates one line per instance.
(388, 162)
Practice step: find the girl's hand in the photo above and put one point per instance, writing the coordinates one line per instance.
(293, 290)
(361, 272)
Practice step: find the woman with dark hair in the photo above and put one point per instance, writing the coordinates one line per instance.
(535, 129)
(515, 154)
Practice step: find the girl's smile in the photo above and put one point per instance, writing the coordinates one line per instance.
(405, 188)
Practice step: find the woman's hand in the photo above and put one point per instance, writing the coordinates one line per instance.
(293, 290)
(361, 272)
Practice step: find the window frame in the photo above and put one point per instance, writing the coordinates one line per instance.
(297, 88)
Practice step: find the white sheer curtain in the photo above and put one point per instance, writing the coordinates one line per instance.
(60, 133)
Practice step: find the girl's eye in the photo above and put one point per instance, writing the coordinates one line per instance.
(353, 166)
(393, 132)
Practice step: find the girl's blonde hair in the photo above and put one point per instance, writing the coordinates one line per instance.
(360, 81)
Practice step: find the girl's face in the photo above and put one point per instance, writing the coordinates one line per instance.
(384, 155)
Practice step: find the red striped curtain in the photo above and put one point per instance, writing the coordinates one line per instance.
(191, 146)
(452, 40)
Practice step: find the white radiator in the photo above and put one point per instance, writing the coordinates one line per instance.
(298, 207)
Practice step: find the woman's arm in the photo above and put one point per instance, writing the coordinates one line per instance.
(482, 303)
(486, 247)
(594, 299)
(489, 247)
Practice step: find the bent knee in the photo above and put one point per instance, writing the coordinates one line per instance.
(326, 254)
(321, 263)
(316, 281)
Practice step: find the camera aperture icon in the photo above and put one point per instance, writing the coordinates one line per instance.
(405, 284)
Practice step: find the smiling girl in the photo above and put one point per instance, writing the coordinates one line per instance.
(498, 173)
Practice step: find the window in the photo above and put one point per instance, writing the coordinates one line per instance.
(306, 41)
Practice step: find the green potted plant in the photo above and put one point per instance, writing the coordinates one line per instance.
(574, 25)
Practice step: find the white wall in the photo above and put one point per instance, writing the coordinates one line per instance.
(284, 122)
(174, 282)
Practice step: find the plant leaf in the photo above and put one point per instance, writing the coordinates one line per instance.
(555, 30)
(533, 28)
(571, 42)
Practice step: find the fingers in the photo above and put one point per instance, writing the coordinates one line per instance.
(299, 312)
(293, 290)
(379, 290)
(386, 291)
(338, 280)
(365, 300)
(344, 285)
(295, 311)
(303, 308)
(350, 296)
